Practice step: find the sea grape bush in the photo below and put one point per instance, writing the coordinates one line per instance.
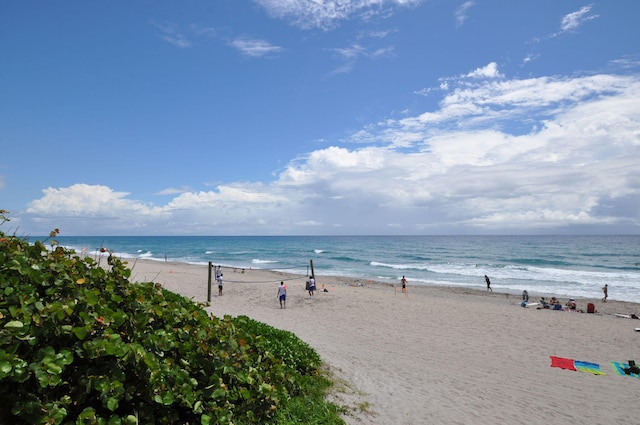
(81, 344)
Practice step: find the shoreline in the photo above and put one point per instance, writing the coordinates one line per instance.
(436, 354)
(612, 306)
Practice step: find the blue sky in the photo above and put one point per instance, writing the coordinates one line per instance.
(312, 117)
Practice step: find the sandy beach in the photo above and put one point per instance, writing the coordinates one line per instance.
(437, 355)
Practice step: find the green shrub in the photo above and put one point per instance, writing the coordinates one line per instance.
(81, 344)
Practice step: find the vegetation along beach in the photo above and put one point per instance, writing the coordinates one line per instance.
(444, 351)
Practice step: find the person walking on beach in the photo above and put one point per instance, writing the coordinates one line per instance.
(312, 286)
(220, 284)
(282, 295)
(403, 281)
(605, 291)
(486, 279)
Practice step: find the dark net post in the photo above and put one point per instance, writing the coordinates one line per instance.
(209, 284)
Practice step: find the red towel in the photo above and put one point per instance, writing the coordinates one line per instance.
(562, 363)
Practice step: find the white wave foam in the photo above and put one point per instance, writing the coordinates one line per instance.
(399, 266)
(258, 261)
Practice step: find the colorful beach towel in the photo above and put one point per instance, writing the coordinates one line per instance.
(562, 363)
(619, 367)
(579, 365)
(588, 367)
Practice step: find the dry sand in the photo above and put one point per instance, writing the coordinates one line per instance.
(437, 355)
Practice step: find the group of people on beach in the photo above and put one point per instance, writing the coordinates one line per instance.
(282, 291)
(555, 304)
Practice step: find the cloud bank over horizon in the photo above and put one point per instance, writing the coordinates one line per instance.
(499, 155)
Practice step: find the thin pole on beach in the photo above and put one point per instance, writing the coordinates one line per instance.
(313, 275)
(209, 284)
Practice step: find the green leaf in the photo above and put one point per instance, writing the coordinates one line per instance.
(14, 324)
(114, 420)
(245, 393)
(5, 367)
(80, 333)
(112, 404)
(131, 420)
(167, 399)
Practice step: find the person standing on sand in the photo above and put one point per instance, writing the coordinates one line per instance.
(605, 291)
(220, 285)
(486, 279)
(282, 295)
(312, 286)
(403, 281)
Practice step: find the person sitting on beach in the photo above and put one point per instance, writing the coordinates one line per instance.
(633, 368)
(544, 303)
(554, 301)
(571, 304)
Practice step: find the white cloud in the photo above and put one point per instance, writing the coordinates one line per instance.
(255, 47)
(497, 155)
(174, 190)
(350, 52)
(461, 12)
(489, 71)
(326, 14)
(80, 199)
(573, 20)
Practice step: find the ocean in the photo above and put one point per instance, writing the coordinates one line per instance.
(565, 266)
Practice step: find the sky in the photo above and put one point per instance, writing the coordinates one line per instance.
(320, 117)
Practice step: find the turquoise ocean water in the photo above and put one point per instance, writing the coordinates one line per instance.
(568, 266)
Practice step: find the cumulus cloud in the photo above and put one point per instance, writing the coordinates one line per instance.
(326, 14)
(488, 71)
(92, 208)
(498, 155)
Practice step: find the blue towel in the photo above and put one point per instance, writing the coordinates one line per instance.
(619, 367)
(588, 367)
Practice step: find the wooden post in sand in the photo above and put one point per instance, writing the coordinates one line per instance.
(209, 284)
(313, 275)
